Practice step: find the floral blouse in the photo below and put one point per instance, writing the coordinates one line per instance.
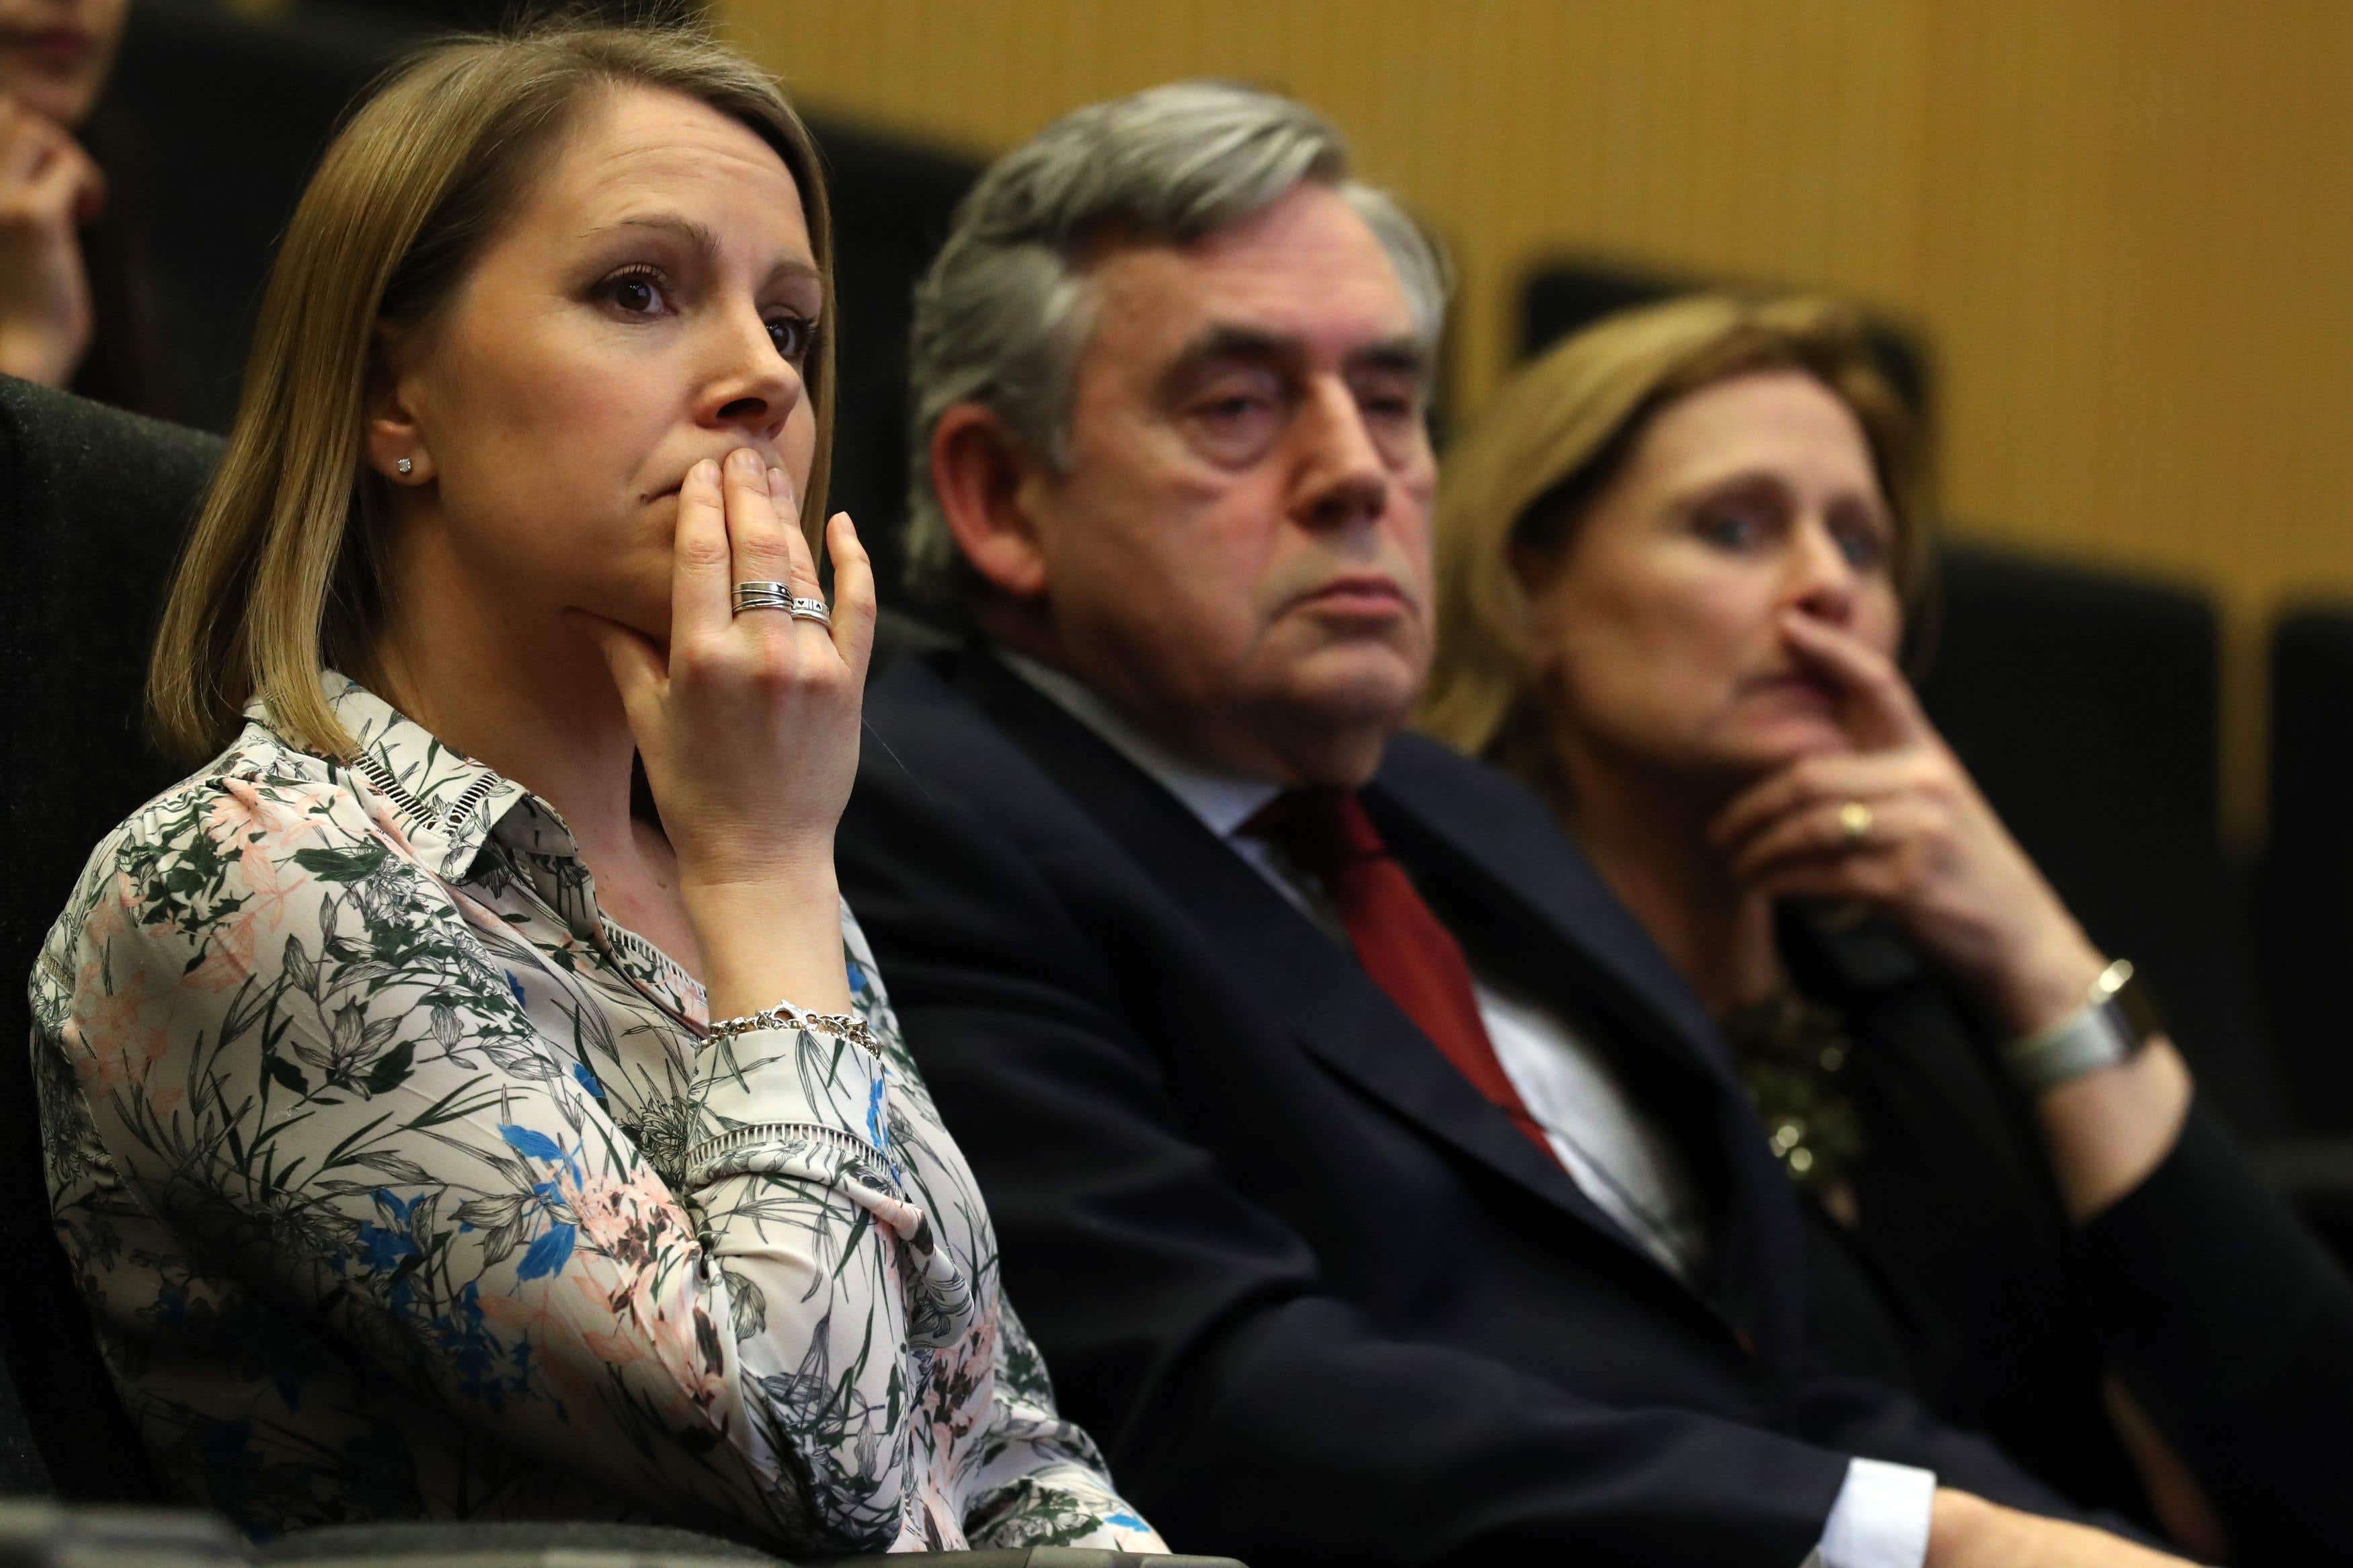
(403, 1182)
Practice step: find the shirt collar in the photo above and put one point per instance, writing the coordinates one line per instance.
(447, 803)
(1223, 801)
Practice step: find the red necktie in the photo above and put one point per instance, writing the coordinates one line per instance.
(1401, 944)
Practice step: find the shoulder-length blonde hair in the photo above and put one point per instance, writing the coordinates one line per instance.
(1520, 480)
(281, 575)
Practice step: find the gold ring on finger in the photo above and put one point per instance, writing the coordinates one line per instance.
(1854, 820)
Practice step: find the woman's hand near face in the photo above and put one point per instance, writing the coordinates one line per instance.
(1930, 852)
(748, 725)
(48, 188)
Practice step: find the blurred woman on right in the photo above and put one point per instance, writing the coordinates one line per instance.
(1676, 557)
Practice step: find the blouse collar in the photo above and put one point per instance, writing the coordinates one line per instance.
(446, 804)
(449, 806)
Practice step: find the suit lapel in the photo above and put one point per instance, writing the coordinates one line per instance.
(1276, 952)
(1517, 878)
(1557, 892)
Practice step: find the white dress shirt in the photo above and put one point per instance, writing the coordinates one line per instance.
(1617, 1158)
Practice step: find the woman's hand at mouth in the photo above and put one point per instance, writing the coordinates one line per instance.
(1897, 823)
(748, 726)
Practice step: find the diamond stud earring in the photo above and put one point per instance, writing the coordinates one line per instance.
(404, 466)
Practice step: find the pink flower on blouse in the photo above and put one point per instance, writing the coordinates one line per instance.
(121, 1016)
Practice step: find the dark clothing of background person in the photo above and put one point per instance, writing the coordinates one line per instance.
(1963, 1280)
(1321, 1300)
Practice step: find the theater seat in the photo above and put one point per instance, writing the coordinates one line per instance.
(2086, 703)
(92, 503)
(2306, 909)
(225, 112)
(48, 1535)
(1568, 294)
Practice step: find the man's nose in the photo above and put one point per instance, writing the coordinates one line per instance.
(1342, 479)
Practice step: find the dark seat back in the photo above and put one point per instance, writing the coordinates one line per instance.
(93, 504)
(2307, 909)
(892, 202)
(23, 1472)
(226, 114)
(1570, 293)
(2086, 703)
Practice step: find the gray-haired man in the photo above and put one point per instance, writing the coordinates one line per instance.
(1227, 986)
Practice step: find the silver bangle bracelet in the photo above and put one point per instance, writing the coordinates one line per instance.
(2097, 1035)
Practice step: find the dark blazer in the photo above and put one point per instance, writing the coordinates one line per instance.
(1318, 1298)
(2197, 1289)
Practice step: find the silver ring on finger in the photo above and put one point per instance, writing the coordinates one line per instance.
(763, 596)
(1855, 819)
(811, 610)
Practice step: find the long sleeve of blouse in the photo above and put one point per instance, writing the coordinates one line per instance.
(371, 1137)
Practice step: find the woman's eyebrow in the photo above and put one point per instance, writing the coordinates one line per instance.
(700, 238)
(795, 269)
(1745, 483)
(696, 235)
(1748, 477)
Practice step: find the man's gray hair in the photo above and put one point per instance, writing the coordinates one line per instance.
(1003, 312)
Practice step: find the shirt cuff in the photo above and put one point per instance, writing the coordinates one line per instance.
(784, 1091)
(1880, 1519)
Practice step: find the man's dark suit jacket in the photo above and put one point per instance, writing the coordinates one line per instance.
(1319, 1298)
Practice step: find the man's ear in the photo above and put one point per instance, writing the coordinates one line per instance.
(395, 438)
(977, 474)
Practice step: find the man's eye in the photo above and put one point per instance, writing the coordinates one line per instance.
(1388, 400)
(1235, 419)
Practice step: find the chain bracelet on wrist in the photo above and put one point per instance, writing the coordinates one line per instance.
(843, 1026)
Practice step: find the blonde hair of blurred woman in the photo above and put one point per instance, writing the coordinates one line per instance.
(1512, 486)
(279, 577)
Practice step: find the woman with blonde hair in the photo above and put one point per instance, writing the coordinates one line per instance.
(1676, 561)
(466, 1095)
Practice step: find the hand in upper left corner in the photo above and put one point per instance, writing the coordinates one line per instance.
(49, 189)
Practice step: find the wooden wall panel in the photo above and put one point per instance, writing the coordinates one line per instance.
(2125, 226)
